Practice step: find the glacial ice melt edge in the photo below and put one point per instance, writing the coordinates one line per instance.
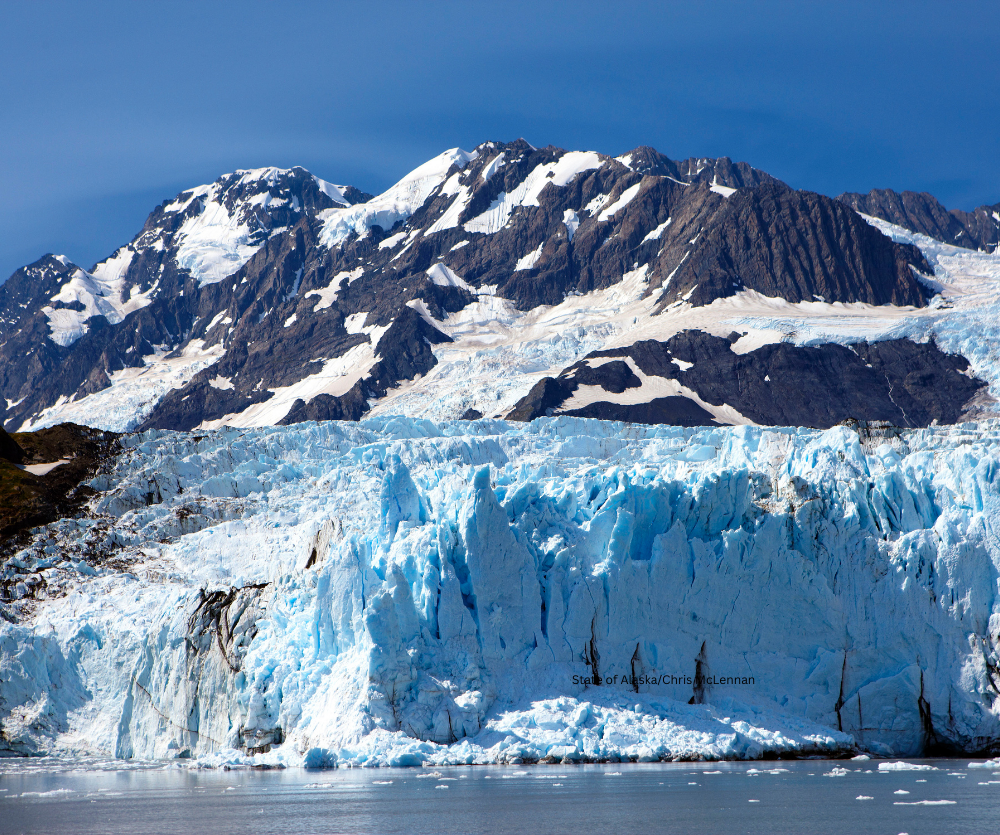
(461, 574)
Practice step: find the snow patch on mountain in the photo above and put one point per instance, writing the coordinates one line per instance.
(328, 295)
(446, 277)
(650, 388)
(559, 173)
(526, 262)
(335, 193)
(963, 319)
(396, 204)
(98, 293)
(626, 197)
(655, 234)
(133, 392)
(336, 377)
(214, 244)
(725, 191)
(499, 352)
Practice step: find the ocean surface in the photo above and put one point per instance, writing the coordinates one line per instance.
(810, 796)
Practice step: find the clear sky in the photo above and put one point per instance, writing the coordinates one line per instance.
(107, 108)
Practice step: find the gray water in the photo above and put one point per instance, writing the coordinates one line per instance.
(715, 799)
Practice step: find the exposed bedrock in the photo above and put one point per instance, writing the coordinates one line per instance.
(799, 246)
(923, 213)
(899, 381)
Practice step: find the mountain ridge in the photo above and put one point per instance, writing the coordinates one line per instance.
(272, 296)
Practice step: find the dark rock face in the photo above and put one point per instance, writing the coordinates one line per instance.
(695, 230)
(407, 354)
(28, 500)
(797, 246)
(902, 382)
(674, 411)
(923, 213)
(10, 450)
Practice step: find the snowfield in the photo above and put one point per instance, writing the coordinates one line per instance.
(399, 591)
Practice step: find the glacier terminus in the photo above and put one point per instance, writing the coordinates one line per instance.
(398, 591)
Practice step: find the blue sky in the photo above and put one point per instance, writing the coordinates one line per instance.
(107, 108)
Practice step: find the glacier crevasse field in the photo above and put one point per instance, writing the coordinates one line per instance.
(398, 592)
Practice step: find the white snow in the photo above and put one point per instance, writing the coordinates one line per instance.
(562, 171)
(392, 240)
(99, 292)
(133, 393)
(650, 388)
(499, 352)
(336, 377)
(493, 166)
(393, 205)
(355, 323)
(335, 193)
(328, 295)
(44, 469)
(449, 219)
(623, 200)
(725, 191)
(658, 231)
(526, 262)
(595, 204)
(572, 221)
(446, 277)
(215, 243)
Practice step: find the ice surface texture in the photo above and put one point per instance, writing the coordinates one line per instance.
(400, 591)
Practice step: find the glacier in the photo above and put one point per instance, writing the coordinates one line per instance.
(403, 592)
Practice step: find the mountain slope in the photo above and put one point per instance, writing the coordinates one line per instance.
(272, 296)
(923, 213)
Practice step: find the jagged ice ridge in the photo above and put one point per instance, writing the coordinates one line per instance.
(399, 592)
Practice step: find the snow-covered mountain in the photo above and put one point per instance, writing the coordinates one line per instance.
(524, 584)
(272, 297)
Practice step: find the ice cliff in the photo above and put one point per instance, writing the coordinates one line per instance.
(400, 591)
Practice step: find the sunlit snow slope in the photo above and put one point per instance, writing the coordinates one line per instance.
(273, 297)
(401, 591)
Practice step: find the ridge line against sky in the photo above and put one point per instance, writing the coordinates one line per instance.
(110, 108)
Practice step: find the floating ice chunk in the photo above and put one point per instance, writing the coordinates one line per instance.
(925, 803)
(994, 763)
